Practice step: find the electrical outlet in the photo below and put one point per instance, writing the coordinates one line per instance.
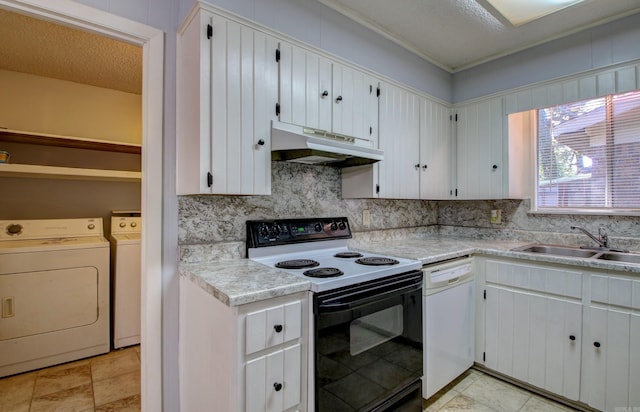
(366, 218)
(496, 217)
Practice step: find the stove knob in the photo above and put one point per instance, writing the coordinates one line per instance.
(334, 226)
(342, 225)
(134, 224)
(276, 230)
(318, 227)
(264, 232)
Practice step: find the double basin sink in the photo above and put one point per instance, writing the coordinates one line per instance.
(575, 252)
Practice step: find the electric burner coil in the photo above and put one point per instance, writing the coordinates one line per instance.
(323, 273)
(377, 261)
(297, 264)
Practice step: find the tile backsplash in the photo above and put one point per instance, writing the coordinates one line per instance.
(297, 191)
(216, 224)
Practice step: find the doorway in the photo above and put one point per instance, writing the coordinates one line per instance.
(152, 42)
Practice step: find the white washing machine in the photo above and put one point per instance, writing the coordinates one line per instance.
(125, 287)
(54, 286)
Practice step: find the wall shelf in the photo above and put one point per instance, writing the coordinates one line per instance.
(16, 136)
(67, 173)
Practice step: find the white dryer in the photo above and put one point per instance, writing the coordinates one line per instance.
(54, 286)
(125, 287)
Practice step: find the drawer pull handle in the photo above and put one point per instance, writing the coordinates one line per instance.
(572, 337)
(596, 344)
(277, 386)
(278, 328)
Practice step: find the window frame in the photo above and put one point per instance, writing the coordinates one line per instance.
(536, 208)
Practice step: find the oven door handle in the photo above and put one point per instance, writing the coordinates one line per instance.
(351, 300)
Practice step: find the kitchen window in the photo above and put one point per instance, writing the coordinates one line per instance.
(588, 156)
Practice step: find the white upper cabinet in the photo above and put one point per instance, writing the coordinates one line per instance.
(436, 151)
(415, 135)
(399, 172)
(226, 93)
(318, 93)
(305, 88)
(480, 135)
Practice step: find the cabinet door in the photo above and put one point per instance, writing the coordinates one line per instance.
(435, 151)
(607, 358)
(399, 138)
(354, 103)
(610, 356)
(273, 381)
(528, 337)
(305, 88)
(479, 141)
(243, 93)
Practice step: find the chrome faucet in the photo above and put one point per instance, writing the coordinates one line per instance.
(602, 239)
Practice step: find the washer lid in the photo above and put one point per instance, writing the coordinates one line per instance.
(61, 243)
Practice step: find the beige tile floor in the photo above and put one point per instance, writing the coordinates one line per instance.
(476, 391)
(109, 382)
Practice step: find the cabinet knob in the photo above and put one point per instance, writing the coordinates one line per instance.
(261, 142)
(277, 386)
(424, 167)
(572, 337)
(596, 344)
(417, 165)
(277, 328)
(338, 99)
(324, 94)
(494, 167)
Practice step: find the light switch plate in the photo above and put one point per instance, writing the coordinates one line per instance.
(366, 218)
(496, 217)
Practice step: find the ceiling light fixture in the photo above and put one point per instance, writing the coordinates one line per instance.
(519, 12)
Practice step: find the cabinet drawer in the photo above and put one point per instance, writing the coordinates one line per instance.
(561, 282)
(273, 381)
(272, 326)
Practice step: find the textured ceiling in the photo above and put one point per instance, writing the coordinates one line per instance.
(458, 34)
(42, 48)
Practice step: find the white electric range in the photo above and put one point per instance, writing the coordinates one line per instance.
(317, 249)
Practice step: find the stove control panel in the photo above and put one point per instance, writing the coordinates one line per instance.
(262, 233)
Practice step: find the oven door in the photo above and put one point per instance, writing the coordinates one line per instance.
(368, 341)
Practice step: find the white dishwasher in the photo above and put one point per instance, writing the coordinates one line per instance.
(448, 302)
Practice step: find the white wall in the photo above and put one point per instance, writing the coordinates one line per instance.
(39, 104)
(599, 47)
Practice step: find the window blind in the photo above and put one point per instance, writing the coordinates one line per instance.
(588, 154)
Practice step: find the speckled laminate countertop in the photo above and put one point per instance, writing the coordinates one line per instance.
(242, 281)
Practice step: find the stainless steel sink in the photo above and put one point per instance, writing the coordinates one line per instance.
(620, 257)
(557, 250)
(576, 252)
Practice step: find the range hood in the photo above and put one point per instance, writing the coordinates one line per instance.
(300, 144)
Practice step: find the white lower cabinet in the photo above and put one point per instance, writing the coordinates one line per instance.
(611, 344)
(533, 322)
(249, 358)
(572, 332)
